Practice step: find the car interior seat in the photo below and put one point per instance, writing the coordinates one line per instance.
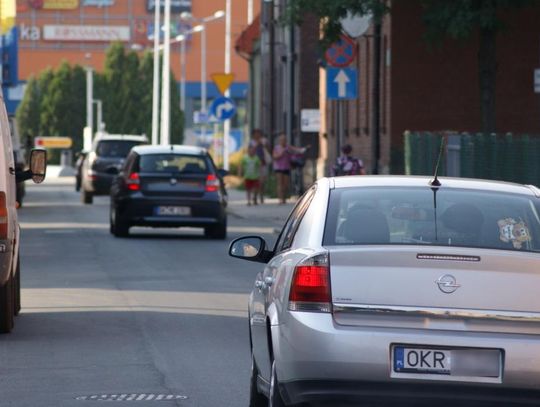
(365, 225)
(465, 221)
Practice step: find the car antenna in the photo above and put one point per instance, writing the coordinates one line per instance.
(435, 184)
(435, 181)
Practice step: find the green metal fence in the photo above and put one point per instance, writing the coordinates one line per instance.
(505, 157)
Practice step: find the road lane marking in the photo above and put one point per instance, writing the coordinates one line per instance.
(132, 397)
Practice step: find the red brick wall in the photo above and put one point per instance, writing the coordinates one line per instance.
(438, 89)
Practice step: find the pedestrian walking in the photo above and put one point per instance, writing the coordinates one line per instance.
(250, 170)
(262, 149)
(346, 164)
(282, 165)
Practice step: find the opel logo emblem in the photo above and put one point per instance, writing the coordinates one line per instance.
(447, 284)
(173, 181)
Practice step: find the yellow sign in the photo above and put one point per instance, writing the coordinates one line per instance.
(60, 4)
(223, 81)
(53, 142)
(8, 11)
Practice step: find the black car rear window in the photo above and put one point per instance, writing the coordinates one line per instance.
(452, 217)
(115, 148)
(177, 163)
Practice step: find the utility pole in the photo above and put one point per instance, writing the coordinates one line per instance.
(155, 89)
(166, 85)
(227, 124)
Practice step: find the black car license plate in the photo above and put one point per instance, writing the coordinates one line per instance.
(172, 211)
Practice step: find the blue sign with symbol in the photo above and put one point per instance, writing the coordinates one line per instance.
(341, 83)
(223, 108)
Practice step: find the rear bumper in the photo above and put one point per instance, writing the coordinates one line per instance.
(6, 260)
(140, 211)
(317, 358)
(348, 393)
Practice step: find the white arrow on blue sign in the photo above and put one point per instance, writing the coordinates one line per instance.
(341, 83)
(223, 108)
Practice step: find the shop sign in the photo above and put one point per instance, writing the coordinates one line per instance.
(29, 33)
(54, 4)
(98, 3)
(177, 6)
(86, 33)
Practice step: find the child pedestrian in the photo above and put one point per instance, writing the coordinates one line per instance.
(251, 168)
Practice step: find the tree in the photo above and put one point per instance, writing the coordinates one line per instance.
(457, 19)
(28, 112)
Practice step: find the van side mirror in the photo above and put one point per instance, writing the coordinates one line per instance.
(38, 167)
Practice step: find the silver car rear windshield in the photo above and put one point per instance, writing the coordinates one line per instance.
(420, 216)
(175, 163)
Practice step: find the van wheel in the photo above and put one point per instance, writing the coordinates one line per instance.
(6, 307)
(87, 197)
(17, 289)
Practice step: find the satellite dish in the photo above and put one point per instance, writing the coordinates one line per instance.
(355, 25)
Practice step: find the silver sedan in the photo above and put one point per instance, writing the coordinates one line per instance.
(399, 288)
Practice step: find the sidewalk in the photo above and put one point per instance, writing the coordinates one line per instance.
(270, 213)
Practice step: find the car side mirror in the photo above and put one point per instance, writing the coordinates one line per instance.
(38, 167)
(251, 248)
(222, 173)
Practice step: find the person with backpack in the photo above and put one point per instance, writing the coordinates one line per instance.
(346, 164)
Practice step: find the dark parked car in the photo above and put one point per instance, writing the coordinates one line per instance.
(169, 186)
(103, 163)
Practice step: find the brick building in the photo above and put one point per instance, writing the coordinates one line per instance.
(435, 88)
(79, 31)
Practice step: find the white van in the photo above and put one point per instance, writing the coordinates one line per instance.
(10, 276)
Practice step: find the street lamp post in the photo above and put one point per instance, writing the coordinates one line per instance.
(202, 23)
(155, 89)
(166, 85)
(227, 124)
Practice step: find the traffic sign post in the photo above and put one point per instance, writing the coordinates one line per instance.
(223, 108)
(341, 84)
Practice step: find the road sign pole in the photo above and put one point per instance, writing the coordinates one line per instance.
(341, 126)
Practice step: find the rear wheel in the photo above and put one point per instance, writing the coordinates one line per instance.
(87, 197)
(274, 398)
(118, 226)
(6, 307)
(218, 231)
(256, 399)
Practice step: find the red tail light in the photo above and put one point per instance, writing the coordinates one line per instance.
(3, 216)
(133, 182)
(212, 183)
(310, 288)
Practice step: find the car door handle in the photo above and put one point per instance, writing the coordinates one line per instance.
(268, 281)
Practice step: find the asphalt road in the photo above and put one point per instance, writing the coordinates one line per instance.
(155, 319)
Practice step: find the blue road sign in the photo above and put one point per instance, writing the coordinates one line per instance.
(341, 83)
(223, 108)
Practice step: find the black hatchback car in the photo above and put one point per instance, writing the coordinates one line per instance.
(169, 186)
(103, 163)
